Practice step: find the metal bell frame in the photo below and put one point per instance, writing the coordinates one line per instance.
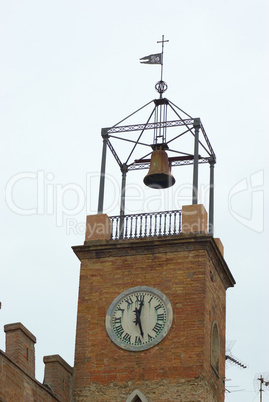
(158, 122)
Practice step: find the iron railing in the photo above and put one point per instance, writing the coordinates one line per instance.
(165, 223)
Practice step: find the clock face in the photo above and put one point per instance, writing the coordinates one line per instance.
(139, 318)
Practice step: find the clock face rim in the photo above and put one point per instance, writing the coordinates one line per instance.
(158, 338)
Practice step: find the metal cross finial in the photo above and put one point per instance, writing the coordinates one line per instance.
(162, 42)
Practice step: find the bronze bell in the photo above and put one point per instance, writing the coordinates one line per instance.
(159, 175)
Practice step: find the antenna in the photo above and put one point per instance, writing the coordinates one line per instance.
(232, 360)
(229, 356)
(263, 378)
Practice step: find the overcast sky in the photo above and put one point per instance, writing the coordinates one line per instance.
(70, 68)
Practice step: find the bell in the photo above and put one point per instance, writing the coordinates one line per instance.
(159, 175)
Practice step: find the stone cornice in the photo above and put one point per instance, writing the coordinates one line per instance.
(154, 245)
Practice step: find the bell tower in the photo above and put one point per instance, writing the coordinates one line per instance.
(152, 293)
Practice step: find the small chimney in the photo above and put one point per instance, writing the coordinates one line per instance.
(58, 376)
(20, 347)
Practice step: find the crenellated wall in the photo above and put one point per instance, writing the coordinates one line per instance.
(17, 370)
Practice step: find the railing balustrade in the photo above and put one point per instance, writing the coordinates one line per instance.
(165, 223)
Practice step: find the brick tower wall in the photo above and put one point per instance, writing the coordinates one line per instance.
(179, 367)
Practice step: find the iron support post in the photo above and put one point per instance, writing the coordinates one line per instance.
(212, 162)
(103, 172)
(261, 382)
(122, 199)
(195, 162)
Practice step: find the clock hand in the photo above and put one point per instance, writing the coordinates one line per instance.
(139, 322)
(140, 327)
(137, 316)
(137, 312)
(140, 307)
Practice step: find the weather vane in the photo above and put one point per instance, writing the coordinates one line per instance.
(157, 58)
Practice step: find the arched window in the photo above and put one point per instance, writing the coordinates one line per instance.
(215, 347)
(136, 396)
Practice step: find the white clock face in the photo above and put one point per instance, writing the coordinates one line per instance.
(139, 318)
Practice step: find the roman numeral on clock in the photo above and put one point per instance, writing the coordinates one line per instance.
(138, 340)
(160, 317)
(157, 327)
(126, 337)
(117, 320)
(140, 298)
(119, 330)
(128, 300)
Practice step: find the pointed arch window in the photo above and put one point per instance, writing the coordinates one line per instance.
(136, 396)
(215, 347)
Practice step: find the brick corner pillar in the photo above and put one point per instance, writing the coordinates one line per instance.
(98, 227)
(194, 219)
(58, 376)
(20, 347)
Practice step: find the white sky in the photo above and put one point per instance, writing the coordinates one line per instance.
(70, 68)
